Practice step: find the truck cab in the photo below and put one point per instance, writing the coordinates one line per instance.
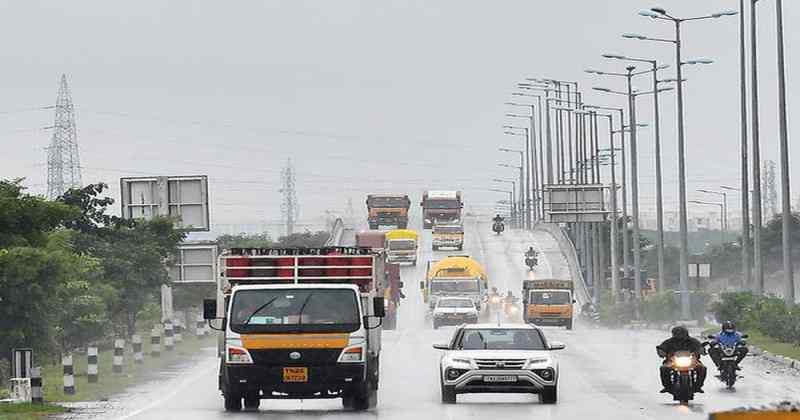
(447, 235)
(388, 210)
(454, 276)
(401, 246)
(548, 302)
(442, 207)
(299, 326)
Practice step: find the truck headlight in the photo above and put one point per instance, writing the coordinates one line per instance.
(353, 354)
(237, 355)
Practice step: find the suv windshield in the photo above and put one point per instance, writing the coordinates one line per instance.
(294, 310)
(550, 298)
(500, 339)
(455, 303)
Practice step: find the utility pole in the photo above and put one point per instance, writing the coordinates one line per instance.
(289, 208)
(63, 162)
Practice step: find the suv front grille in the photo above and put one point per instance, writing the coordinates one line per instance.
(515, 364)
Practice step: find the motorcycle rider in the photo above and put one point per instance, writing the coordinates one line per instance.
(681, 341)
(531, 253)
(730, 337)
(497, 218)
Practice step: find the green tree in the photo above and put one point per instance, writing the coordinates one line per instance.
(25, 220)
(242, 240)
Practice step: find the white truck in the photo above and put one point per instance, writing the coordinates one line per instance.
(299, 324)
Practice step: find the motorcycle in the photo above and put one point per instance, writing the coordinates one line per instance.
(531, 262)
(498, 227)
(729, 354)
(683, 365)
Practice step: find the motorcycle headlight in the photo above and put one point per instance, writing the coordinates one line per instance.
(682, 361)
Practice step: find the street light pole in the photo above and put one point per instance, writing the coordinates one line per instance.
(637, 249)
(724, 203)
(746, 262)
(758, 264)
(786, 206)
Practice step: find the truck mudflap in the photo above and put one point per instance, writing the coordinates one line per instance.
(328, 381)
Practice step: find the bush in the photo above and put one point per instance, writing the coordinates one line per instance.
(737, 307)
(769, 315)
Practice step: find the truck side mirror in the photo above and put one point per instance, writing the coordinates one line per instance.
(400, 285)
(209, 309)
(422, 285)
(379, 307)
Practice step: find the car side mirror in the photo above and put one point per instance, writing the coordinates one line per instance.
(422, 285)
(209, 309)
(379, 307)
(441, 347)
(556, 345)
(745, 336)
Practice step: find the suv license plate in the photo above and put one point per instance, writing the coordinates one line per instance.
(295, 374)
(504, 378)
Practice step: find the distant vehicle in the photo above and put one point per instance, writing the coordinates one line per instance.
(441, 206)
(449, 235)
(454, 311)
(401, 246)
(531, 261)
(455, 276)
(388, 210)
(496, 358)
(288, 334)
(498, 227)
(548, 302)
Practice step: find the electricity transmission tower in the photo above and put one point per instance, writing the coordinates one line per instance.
(771, 189)
(289, 208)
(63, 163)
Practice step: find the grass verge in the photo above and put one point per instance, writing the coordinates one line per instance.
(28, 411)
(110, 383)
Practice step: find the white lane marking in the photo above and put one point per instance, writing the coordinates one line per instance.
(171, 395)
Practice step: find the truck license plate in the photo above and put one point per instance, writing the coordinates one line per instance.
(295, 374)
(503, 378)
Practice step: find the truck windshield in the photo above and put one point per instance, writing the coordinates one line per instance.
(294, 310)
(455, 303)
(442, 204)
(448, 229)
(388, 202)
(454, 286)
(501, 339)
(550, 298)
(402, 244)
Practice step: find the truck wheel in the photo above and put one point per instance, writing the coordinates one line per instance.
(233, 402)
(252, 401)
(448, 394)
(549, 395)
(435, 325)
(461, 247)
(569, 324)
(362, 399)
(402, 225)
(435, 248)
(414, 263)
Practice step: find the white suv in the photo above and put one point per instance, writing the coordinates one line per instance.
(512, 358)
(454, 311)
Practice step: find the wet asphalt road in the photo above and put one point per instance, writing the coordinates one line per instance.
(605, 374)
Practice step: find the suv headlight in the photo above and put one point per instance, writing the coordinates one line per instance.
(353, 354)
(235, 355)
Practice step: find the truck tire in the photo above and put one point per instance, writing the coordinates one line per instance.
(569, 324)
(448, 394)
(252, 401)
(233, 402)
(435, 325)
(414, 263)
(461, 247)
(435, 248)
(549, 395)
(364, 398)
(402, 225)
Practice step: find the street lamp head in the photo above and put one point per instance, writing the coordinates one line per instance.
(634, 36)
(725, 13)
(658, 11)
(615, 56)
(593, 71)
(601, 89)
(662, 66)
(649, 13)
(630, 68)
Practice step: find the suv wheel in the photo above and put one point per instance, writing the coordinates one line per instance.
(448, 394)
(549, 395)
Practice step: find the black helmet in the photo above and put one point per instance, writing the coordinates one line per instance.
(728, 326)
(680, 332)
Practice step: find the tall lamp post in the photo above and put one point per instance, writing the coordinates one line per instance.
(661, 14)
(531, 190)
(510, 198)
(520, 168)
(513, 188)
(525, 196)
(786, 205)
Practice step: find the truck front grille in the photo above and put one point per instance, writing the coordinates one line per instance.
(308, 357)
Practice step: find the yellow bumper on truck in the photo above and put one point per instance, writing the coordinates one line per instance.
(549, 315)
(294, 341)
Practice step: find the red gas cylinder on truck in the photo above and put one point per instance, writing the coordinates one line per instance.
(286, 261)
(311, 257)
(238, 258)
(267, 263)
(332, 260)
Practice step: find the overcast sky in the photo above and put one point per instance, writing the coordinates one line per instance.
(362, 95)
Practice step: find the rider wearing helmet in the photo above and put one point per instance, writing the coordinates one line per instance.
(681, 341)
(728, 336)
(531, 252)
(498, 218)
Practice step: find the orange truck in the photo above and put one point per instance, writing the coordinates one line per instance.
(441, 207)
(548, 302)
(388, 210)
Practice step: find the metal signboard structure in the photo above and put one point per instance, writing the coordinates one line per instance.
(183, 197)
(577, 203)
(21, 363)
(700, 270)
(196, 264)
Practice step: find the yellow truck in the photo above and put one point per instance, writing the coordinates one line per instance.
(388, 210)
(449, 235)
(548, 302)
(401, 246)
(455, 276)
